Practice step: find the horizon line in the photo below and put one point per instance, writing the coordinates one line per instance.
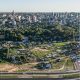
(40, 11)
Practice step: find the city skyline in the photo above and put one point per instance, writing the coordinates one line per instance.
(40, 5)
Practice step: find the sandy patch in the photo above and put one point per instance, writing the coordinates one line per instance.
(8, 67)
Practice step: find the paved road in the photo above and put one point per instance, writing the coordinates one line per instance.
(39, 79)
(42, 72)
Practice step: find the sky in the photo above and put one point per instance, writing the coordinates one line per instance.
(40, 5)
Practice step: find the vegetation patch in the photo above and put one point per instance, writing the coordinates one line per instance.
(71, 76)
(8, 76)
(39, 53)
(69, 65)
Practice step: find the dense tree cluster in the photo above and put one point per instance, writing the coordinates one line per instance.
(41, 33)
(34, 34)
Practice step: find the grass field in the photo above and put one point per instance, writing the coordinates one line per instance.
(39, 53)
(59, 44)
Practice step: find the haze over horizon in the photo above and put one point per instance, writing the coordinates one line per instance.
(40, 5)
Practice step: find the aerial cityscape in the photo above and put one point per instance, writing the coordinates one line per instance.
(40, 41)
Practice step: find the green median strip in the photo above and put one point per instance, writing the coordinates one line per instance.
(71, 76)
(8, 76)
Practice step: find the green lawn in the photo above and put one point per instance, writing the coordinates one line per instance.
(59, 44)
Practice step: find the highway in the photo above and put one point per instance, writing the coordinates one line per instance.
(42, 72)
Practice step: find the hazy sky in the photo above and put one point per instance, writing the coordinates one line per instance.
(40, 5)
